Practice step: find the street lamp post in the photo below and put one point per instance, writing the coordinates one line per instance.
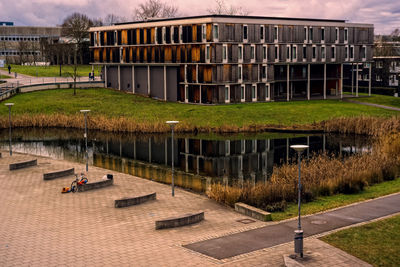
(172, 124)
(86, 111)
(9, 105)
(298, 234)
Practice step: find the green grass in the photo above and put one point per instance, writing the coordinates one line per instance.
(377, 243)
(112, 103)
(335, 201)
(53, 70)
(4, 77)
(381, 100)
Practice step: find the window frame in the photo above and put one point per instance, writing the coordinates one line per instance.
(227, 93)
(245, 26)
(225, 53)
(254, 89)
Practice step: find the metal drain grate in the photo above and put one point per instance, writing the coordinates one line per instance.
(246, 221)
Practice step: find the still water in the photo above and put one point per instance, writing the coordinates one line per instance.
(198, 159)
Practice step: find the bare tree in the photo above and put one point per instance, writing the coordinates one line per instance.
(111, 19)
(221, 8)
(76, 27)
(22, 49)
(155, 9)
(395, 34)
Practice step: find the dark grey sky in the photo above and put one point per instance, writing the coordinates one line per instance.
(385, 14)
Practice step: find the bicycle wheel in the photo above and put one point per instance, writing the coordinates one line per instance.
(74, 186)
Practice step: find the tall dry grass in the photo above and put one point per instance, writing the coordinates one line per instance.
(321, 175)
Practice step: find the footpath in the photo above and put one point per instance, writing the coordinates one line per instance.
(42, 227)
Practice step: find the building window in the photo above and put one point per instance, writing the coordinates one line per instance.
(304, 53)
(288, 56)
(186, 93)
(322, 35)
(314, 53)
(240, 53)
(224, 53)
(352, 52)
(323, 53)
(333, 53)
(364, 53)
(245, 33)
(254, 92)
(204, 32)
(305, 34)
(94, 41)
(115, 37)
(208, 53)
(379, 64)
(265, 53)
(164, 35)
(276, 53)
(240, 77)
(262, 30)
(346, 35)
(336, 35)
(294, 52)
(346, 53)
(242, 95)
(264, 72)
(253, 53)
(186, 73)
(121, 55)
(266, 91)
(180, 34)
(310, 34)
(215, 32)
(276, 34)
(227, 97)
(378, 78)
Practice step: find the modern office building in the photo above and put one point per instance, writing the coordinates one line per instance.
(21, 44)
(230, 59)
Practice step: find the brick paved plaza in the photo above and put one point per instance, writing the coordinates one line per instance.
(42, 227)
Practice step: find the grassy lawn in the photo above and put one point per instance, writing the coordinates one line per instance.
(381, 100)
(4, 77)
(335, 201)
(54, 70)
(112, 103)
(377, 243)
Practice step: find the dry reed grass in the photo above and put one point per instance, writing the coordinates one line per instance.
(321, 175)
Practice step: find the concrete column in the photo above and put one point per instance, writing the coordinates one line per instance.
(105, 76)
(148, 80)
(324, 81)
(165, 83)
(352, 78)
(323, 143)
(166, 151)
(308, 82)
(288, 83)
(200, 94)
(133, 79)
(341, 81)
(370, 79)
(357, 81)
(119, 77)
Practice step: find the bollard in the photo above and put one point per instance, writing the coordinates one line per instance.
(298, 242)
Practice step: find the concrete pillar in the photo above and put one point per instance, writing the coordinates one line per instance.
(200, 94)
(119, 77)
(370, 79)
(166, 151)
(105, 76)
(357, 81)
(308, 82)
(341, 81)
(352, 78)
(133, 79)
(148, 80)
(201, 147)
(165, 83)
(323, 143)
(287, 83)
(324, 81)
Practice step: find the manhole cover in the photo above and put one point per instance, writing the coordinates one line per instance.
(318, 222)
(246, 221)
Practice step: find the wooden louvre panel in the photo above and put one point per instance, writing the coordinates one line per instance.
(194, 33)
(153, 34)
(105, 38)
(182, 73)
(131, 54)
(111, 55)
(207, 74)
(168, 54)
(105, 55)
(209, 32)
(195, 53)
(137, 54)
(124, 36)
(178, 53)
(194, 74)
(227, 73)
(96, 55)
(124, 53)
(153, 54)
(144, 53)
(144, 36)
(138, 36)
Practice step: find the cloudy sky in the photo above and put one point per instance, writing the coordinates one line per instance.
(385, 14)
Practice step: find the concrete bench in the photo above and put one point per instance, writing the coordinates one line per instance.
(23, 164)
(95, 185)
(180, 221)
(126, 202)
(253, 212)
(58, 174)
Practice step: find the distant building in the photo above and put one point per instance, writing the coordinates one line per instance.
(230, 59)
(6, 23)
(21, 44)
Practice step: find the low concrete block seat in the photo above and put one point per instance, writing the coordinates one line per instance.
(58, 174)
(126, 202)
(23, 164)
(95, 185)
(180, 221)
(253, 212)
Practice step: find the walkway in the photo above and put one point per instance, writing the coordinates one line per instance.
(372, 105)
(245, 242)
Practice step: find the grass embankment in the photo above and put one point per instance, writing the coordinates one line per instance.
(380, 99)
(53, 70)
(4, 77)
(116, 111)
(376, 243)
(321, 176)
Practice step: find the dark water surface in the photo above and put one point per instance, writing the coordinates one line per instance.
(198, 159)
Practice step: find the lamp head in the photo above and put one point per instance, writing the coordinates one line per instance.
(9, 104)
(299, 148)
(172, 123)
(85, 110)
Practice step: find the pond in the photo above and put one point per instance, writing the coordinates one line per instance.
(198, 159)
